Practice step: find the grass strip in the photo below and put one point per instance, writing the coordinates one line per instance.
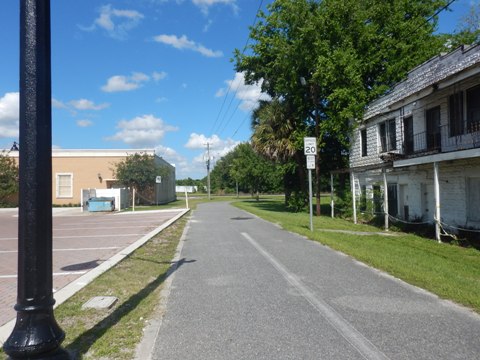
(136, 281)
(450, 271)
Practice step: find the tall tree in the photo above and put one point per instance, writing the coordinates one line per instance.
(279, 137)
(243, 166)
(138, 171)
(330, 58)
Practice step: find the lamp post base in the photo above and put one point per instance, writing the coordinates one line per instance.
(36, 336)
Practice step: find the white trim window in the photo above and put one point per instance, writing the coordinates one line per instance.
(64, 185)
(387, 135)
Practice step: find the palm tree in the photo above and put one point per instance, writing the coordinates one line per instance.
(278, 135)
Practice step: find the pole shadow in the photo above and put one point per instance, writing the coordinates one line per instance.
(80, 346)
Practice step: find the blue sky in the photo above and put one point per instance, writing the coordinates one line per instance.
(145, 74)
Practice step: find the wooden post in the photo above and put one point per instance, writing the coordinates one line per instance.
(436, 186)
(354, 198)
(385, 197)
(332, 203)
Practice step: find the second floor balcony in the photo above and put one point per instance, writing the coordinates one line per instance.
(428, 142)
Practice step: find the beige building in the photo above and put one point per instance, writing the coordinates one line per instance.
(74, 170)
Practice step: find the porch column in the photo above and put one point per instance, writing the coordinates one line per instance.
(385, 197)
(331, 197)
(436, 186)
(354, 198)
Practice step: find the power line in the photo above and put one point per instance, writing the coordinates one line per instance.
(431, 17)
(231, 83)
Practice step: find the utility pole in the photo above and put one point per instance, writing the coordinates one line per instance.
(208, 169)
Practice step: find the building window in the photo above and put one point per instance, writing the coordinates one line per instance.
(387, 133)
(473, 109)
(377, 200)
(363, 198)
(473, 199)
(363, 136)
(392, 199)
(408, 134)
(433, 134)
(64, 182)
(455, 109)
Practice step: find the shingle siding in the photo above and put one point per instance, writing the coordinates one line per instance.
(426, 87)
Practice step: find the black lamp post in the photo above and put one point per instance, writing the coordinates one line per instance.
(36, 334)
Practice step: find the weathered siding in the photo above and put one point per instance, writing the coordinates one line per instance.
(428, 86)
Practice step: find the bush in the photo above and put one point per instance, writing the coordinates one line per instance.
(296, 202)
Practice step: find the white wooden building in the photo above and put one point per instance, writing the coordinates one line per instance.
(421, 142)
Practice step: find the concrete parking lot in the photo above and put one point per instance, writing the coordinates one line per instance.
(82, 242)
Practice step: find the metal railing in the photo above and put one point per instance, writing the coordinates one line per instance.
(428, 142)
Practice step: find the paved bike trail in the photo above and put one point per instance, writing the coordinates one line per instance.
(247, 289)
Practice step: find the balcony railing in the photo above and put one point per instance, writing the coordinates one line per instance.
(426, 142)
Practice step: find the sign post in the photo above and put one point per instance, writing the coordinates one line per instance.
(310, 150)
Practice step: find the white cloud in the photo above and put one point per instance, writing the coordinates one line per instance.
(184, 43)
(217, 145)
(125, 83)
(174, 158)
(249, 95)
(218, 149)
(157, 76)
(58, 104)
(142, 131)
(9, 115)
(206, 28)
(205, 5)
(84, 123)
(84, 104)
(115, 22)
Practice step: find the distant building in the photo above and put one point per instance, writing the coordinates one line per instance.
(422, 140)
(74, 170)
(186, 188)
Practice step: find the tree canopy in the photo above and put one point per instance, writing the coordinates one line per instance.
(139, 171)
(244, 167)
(324, 61)
(8, 178)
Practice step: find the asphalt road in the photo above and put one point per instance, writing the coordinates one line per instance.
(249, 290)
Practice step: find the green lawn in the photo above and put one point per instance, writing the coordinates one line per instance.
(450, 271)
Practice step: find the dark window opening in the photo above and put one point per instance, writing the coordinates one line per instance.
(363, 198)
(473, 109)
(408, 133)
(363, 136)
(377, 199)
(392, 200)
(433, 128)
(455, 107)
(388, 138)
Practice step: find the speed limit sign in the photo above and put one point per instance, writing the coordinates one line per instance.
(310, 145)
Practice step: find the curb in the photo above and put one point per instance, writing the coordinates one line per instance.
(69, 290)
(144, 350)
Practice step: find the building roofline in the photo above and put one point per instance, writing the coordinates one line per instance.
(93, 152)
(426, 75)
